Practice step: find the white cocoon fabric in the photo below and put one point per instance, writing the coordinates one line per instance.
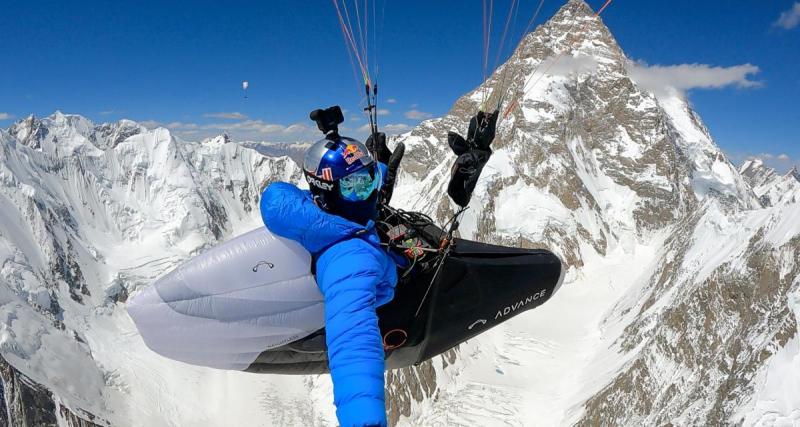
(225, 306)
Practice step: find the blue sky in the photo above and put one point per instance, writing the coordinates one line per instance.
(182, 64)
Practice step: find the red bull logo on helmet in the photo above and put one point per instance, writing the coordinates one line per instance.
(352, 153)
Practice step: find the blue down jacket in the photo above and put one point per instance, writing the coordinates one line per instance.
(355, 277)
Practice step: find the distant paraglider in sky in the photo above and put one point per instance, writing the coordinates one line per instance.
(245, 85)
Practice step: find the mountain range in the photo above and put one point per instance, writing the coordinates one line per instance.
(680, 304)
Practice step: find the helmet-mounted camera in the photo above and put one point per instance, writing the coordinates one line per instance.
(328, 120)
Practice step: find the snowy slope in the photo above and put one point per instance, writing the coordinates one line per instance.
(679, 305)
(91, 213)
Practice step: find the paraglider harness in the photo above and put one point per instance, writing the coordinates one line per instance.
(415, 235)
(449, 289)
(418, 245)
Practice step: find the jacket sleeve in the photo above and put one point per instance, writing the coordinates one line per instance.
(348, 274)
(289, 212)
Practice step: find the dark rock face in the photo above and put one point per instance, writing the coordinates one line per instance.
(27, 404)
(30, 132)
(414, 384)
(714, 338)
(109, 135)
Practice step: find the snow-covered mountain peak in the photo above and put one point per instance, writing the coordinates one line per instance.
(576, 31)
(218, 140)
(63, 135)
(751, 164)
(58, 134)
(794, 173)
(77, 122)
(109, 135)
(24, 130)
(770, 187)
(578, 131)
(756, 173)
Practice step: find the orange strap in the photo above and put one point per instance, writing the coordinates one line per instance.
(392, 347)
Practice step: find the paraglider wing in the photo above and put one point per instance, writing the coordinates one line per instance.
(227, 305)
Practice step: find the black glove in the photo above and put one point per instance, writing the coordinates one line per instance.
(473, 153)
(457, 143)
(378, 148)
(465, 174)
(482, 129)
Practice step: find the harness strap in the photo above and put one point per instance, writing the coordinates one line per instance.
(315, 256)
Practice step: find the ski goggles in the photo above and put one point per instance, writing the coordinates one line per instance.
(359, 186)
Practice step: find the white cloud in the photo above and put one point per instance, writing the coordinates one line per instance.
(396, 128)
(391, 101)
(150, 124)
(225, 115)
(254, 130)
(383, 112)
(389, 128)
(107, 112)
(250, 126)
(567, 65)
(363, 131)
(661, 79)
(6, 116)
(783, 157)
(789, 19)
(297, 127)
(415, 114)
(780, 162)
(261, 130)
(181, 125)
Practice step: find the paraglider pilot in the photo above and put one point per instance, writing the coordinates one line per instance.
(334, 222)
